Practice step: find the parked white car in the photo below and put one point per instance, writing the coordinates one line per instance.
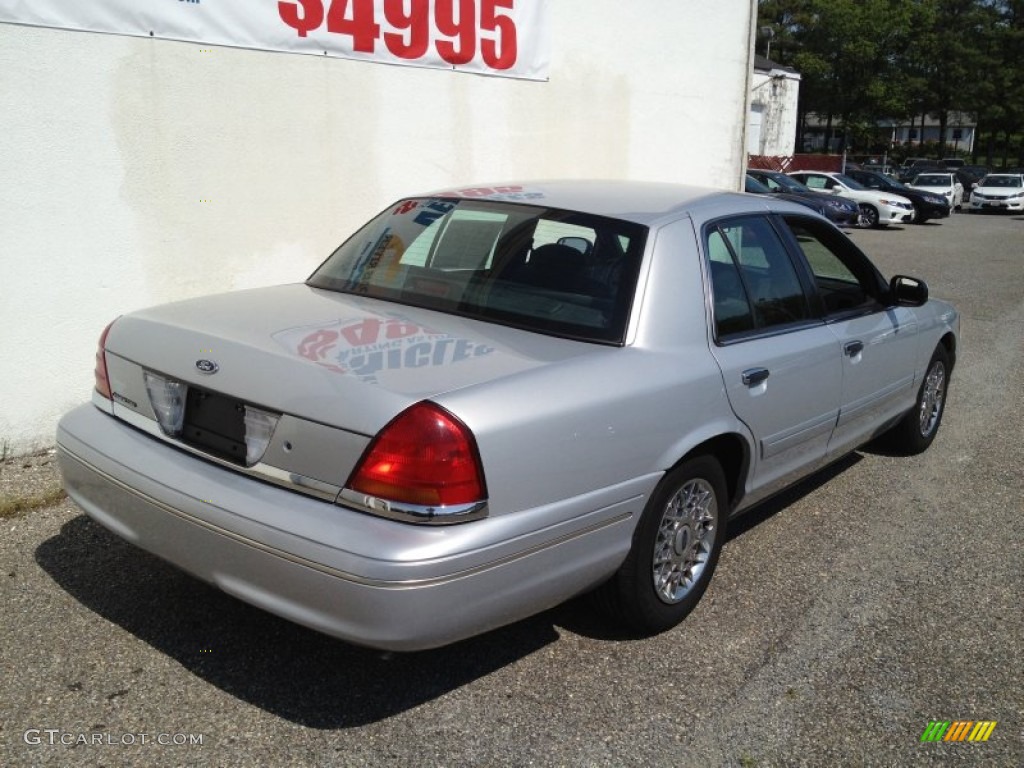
(877, 209)
(945, 184)
(998, 192)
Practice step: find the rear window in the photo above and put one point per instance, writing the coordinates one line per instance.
(547, 270)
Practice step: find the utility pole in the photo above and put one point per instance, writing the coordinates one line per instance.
(769, 33)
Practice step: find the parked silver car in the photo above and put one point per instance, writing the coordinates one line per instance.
(489, 400)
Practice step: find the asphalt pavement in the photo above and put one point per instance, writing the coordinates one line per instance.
(845, 616)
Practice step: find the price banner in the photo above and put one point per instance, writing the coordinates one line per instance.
(495, 37)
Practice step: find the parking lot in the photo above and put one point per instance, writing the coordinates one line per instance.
(846, 615)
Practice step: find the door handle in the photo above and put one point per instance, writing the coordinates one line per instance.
(754, 376)
(853, 348)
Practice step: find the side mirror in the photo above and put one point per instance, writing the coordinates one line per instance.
(907, 291)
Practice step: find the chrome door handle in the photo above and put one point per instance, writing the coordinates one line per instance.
(754, 376)
(853, 348)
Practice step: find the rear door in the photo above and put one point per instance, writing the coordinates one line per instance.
(781, 365)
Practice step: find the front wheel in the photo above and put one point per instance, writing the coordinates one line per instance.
(916, 431)
(675, 549)
(869, 215)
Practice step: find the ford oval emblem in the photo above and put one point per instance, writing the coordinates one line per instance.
(207, 366)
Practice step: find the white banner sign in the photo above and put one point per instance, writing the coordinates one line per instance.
(493, 37)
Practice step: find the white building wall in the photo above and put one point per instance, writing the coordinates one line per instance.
(141, 171)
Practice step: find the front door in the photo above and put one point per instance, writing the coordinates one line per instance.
(878, 342)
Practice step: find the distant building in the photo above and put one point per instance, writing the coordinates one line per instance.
(772, 123)
(960, 132)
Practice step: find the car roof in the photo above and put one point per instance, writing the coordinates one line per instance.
(643, 202)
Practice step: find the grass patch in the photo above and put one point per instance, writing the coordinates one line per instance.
(14, 507)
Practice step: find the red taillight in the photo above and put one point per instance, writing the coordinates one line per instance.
(100, 371)
(425, 456)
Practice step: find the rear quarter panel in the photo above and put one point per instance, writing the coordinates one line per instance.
(613, 416)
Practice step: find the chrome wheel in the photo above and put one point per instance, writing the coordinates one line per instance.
(685, 540)
(919, 426)
(675, 548)
(932, 396)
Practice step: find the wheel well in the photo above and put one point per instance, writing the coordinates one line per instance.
(733, 454)
(949, 342)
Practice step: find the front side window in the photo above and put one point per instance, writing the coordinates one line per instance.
(846, 281)
(847, 181)
(754, 283)
(869, 181)
(547, 270)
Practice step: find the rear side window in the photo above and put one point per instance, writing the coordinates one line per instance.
(548, 270)
(818, 182)
(754, 283)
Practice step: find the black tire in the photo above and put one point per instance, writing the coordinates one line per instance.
(916, 431)
(921, 218)
(869, 215)
(672, 559)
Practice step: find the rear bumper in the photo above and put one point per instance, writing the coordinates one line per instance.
(364, 579)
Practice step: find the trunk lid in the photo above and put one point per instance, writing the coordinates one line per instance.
(342, 361)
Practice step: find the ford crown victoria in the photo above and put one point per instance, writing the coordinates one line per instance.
(487, 401)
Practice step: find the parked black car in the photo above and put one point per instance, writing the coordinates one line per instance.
(926, 204)
(841, 211)
(912, 166)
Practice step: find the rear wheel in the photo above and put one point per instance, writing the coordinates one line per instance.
(869, 215)
(675, 549)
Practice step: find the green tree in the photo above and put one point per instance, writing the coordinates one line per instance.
(847, 52)
(863, 61)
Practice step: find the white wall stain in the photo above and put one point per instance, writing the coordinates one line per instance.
(137, 171)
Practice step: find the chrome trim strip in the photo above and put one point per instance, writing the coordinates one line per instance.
(412, 513)
(325, 569)
(782, 441)
(104, 404)
(292, 481)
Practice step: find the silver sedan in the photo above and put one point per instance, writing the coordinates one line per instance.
(489, 400)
